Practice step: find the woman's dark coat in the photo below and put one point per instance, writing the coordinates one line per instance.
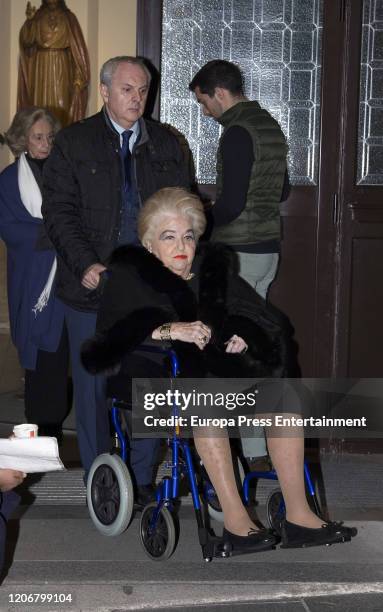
(141, 294)
(27, 272)
(82, 194)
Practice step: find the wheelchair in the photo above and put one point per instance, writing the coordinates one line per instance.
(110, 495)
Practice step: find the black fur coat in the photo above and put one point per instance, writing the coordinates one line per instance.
(142, 294)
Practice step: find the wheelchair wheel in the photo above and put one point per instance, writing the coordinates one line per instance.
(276, 510)
(110, 495)
(209, 496)
(160, 541)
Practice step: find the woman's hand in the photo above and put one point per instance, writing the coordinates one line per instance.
(236, 344)
(195, 332)
(9, 479)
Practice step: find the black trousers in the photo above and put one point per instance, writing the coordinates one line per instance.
(47, 387)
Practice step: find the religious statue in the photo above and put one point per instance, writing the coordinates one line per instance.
(54, 63)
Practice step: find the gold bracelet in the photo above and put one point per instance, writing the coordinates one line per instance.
(165, 331)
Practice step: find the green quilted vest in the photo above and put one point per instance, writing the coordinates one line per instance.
(260, 218)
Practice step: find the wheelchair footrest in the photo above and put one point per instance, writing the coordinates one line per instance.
(249, 551)
(213, 546)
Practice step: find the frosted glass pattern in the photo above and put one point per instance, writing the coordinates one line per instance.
(370, 132)
(277, 44)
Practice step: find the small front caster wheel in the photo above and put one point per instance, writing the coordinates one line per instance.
(158, 532)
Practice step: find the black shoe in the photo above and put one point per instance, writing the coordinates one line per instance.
(296, 536)
(255, 541)
(144, 495)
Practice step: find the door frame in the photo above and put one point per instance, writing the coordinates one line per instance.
(315, 216)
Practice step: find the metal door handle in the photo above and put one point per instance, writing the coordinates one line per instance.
(335, 209)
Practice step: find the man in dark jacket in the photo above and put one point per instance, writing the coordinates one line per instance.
(251, 182)
(99, 173)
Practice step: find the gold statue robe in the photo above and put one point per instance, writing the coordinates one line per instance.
(54, 64)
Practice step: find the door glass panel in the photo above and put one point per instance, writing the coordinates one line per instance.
(277, 44)
(370, 130)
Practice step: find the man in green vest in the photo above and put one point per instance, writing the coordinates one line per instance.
(252, 180)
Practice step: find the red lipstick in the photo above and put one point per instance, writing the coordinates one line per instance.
(180, 257)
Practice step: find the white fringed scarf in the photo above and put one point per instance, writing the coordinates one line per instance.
(31, 198)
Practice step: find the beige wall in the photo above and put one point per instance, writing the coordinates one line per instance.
(5, 26)
(109, 28)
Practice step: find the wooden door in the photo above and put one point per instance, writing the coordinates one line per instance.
(358, 324)
(329, 281)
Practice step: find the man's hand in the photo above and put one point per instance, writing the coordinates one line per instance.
(9, 479)
(91, 276)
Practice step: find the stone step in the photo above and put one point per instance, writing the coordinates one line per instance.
(346, 481)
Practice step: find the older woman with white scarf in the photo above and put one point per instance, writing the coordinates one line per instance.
(36, 318)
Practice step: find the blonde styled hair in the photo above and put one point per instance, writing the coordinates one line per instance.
(170, 201)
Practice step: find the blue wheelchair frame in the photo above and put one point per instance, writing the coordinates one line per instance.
(168, 490)
(170, 485)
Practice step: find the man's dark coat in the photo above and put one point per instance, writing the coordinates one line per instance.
(82, 197)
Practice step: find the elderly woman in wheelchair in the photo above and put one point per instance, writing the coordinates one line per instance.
(163, 294)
